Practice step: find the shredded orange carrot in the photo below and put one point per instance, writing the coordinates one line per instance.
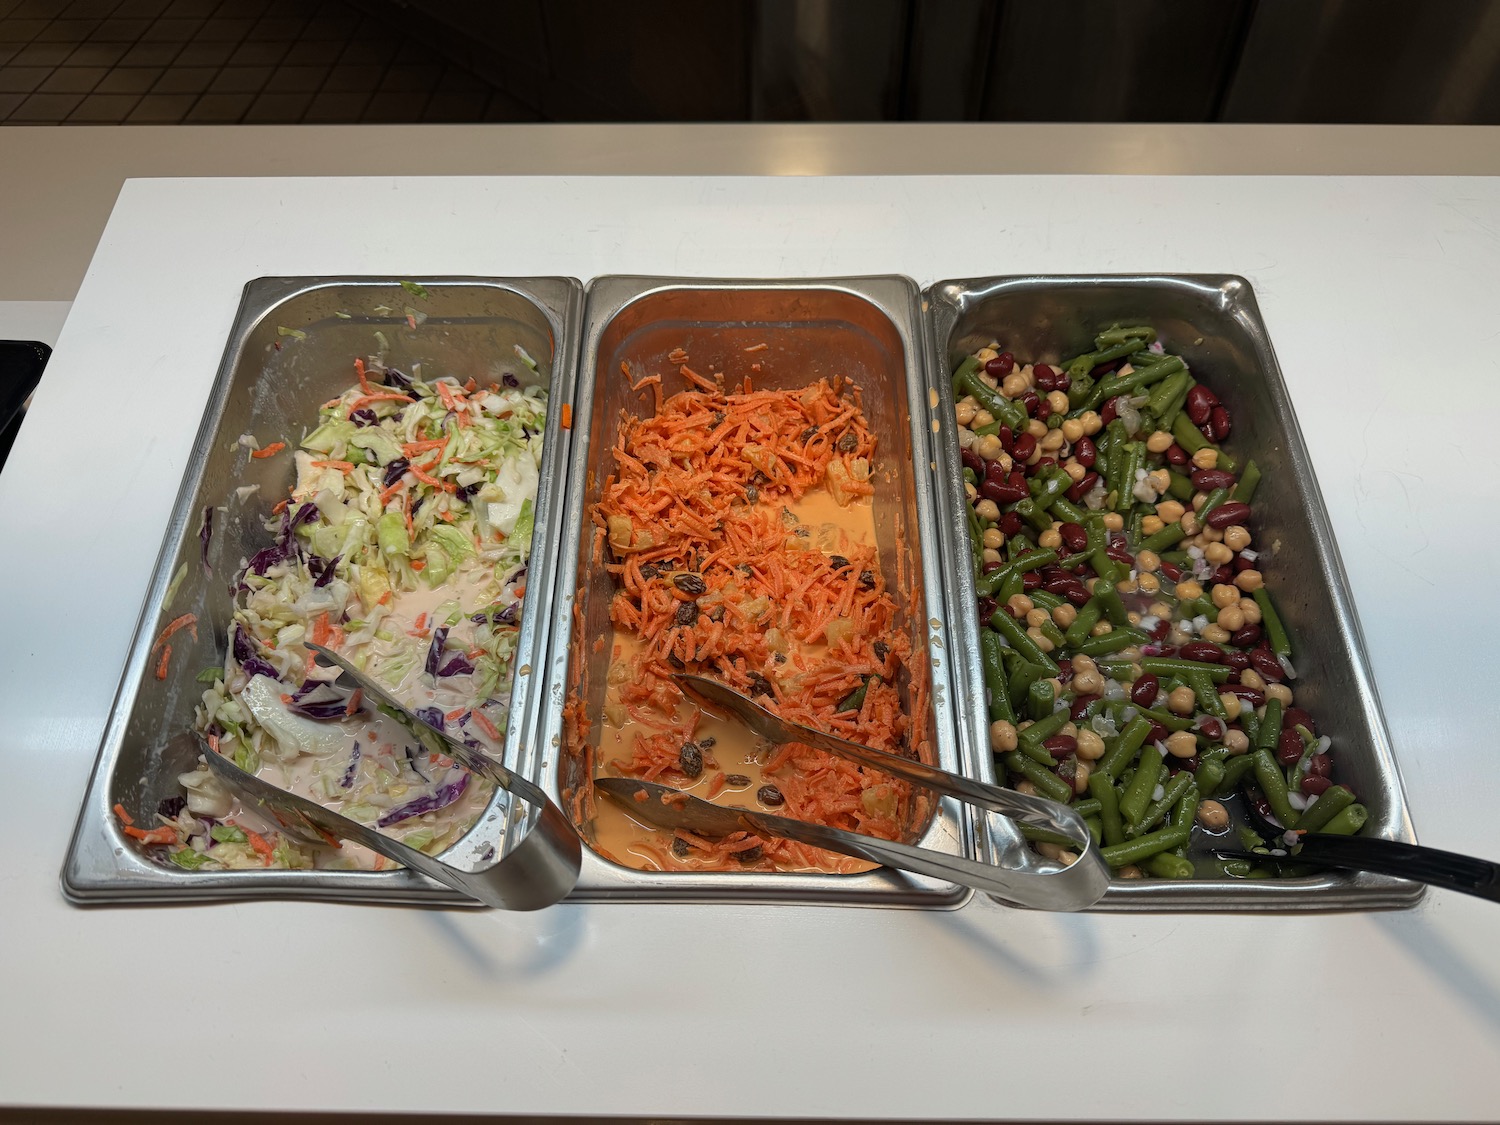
(166, 659)
(163, 835)
(354, 701)
(261, 845)
(382, 396)
(364, 383)
(454, 716)
(320, 629)
(412, 448)
(125, 818)
(567, 416)
(421, 473)
(341, 466)
(419, 565)
(485, 725)
(188, 621)
(269, 451)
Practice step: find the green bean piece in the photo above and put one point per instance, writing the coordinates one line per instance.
(1125, 671)
(1038, 835)
(1249, 481)
(1022, 676)
(1167, 390)
(1210, 773)
(1010, 587)
(1187, 435)
(985, 431)
(1168, 414)
(994, 676)
(1179, 487)
(1208, 698)
(1103, 791)
(1335, 799)
(1065, 510)
(1233, 868)
(1143, 847)
(1159, 808)
(1009, 628)
(1088, 806)
(1080, 366)
(1166, 537)
(1138, 793)
(1166, 718)
(855, 699)
(1112, 642)
(1039, 700)
(1048, 784)
(1347, 822)
(1123, 384)
(1096, 829)
(1212, 501)
(1048, 725)
(1043, 600)
(1234, 771)
(1109, 601)
(1132, 738)
(1167, 666)
(1033, 513)
(1143, 334)
(1186, 810)
(1011, 413)
(1250, 722)
(1272, 783)
(1270, 726)
(1135, 457)
(1270, 621)
(1048, 628)
(1168, 866)
(1088, 617)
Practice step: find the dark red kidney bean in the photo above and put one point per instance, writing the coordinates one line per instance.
(1259, 803)
(1289, 747)
(1246, 636)
(1159, 631)
(1119, 554)
(1172, 571)
(1044, 375)
(1199, 404)
(995, 471)
(1295, 716)
(992, 566)
(1239, 661)
(1058, 584)
(1243, 563)
(1105, 368)
(1081, 703)
(1227, 513)
(1062, 381)
(1077, 595)
(1074, 536)
(1031, 580)
(1043, 410)
(972, 460)
(1189, 764)
(1222, 576)
(1010, 525)
(1204, 651)
(1314, 785)
(1264, 661)
(1029, 400)
(1007, 438)
(1025, 447)
(1166, 650)
(1082, 487)
(994, 490)
(1253, 696)
(1061, 746)
(987, 608)
(1206, 480)
(1001, 366)
(1007, 491)
(1111, 410)
(1320, 764)
(1065, 669)
(1085, 452)
(1157, 733)
(1176, 455)
(1144, 692)
(1219, 423)
(1212, 728)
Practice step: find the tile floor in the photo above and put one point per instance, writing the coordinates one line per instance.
(220, 62)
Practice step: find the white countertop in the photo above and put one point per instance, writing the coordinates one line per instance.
(1380, 297)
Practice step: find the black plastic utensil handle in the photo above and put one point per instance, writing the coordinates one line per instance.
(1432, 866)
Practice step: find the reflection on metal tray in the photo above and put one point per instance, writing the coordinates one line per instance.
(1214, 323)
(271, 382)
(867, 329)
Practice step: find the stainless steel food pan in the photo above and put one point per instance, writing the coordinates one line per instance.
(868, 329)
(1213, 322)
(292, 348)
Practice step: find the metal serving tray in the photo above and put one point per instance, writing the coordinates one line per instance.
(1212, 322)
(869, 330)
(292, 348)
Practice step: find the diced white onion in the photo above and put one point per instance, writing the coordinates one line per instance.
(1286, 666)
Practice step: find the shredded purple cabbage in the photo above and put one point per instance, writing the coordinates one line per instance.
(285, 547)
(206, 533)
(432, 716)
(321, 709)
(440, 798)
(435, 652)
(510, 380)
(170, 807)
(394, 470)
(397, 379)
(466, 491)
(364, 416)
(255, 666)
(458, 666)
(245, 656)
(509, 615)
(321, 569)
(348, 779)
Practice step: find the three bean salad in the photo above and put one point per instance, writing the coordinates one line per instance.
(1135, 664)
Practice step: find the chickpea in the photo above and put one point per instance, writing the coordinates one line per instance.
(1129, 871)
(1147, 583)
(1036, 616)
(1070, 729)
(1048, 850)
(1053, 441)
(964, 413)
(1182, 743)
(994, 538)
(1088, 683)
(1020, 605)
(1189, 523)
(1024, 786)
(1147, 560)
(987, 510)
(1075, 471)
(1187, 590)
(1232, 619)
(1091, 422)
(1100, 629)
(1250, 678)
(1132, 616)
(1049, 538)
(1236, 741)
(1081, 773)
(990, 555)
(1231, 704)
(1036, 429)
(1064, 615)
(1278, 691)
(1014, 385)
(1218, 554)
(1041, 639)
(1249, 580)
(1182, 701)
(1213, 816)
(1126, 585)
(1159, 479)
(1224, 595)
(1159, 442)
(1170, 511)
(969, 490)
(1057, 689)
(1236, 538)
(1216, 633)
(1002, 736)
(967, 438)
(1211, 535)
(984, 355)
(1206, 458)
(988, 447)
(1160, 610)
(1151, 525)
(983, 418)
(1251, 609)
(1199, 499)
(1072, 428)
(1113, 521)
(1005, 462)
(1090, 746)
(1058, 401)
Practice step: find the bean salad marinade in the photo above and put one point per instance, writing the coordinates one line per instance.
(1134, 662)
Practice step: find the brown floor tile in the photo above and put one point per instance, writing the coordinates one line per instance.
(456, 80)
(97, 54)
(8, 51)
(141, 9)
(331, 27)
(89, 9)
(199, 53)
(278, 109)
(104, 109)
(348, 79)
(411, 77)
(120, 30)
(314, 52)
(151, 54)
(67, 31)
(240, 80)
(34, 9)
(73, 80)
(219, 109)
(277, 29)
(368, 52)
(396, 107)
(194, 9)
(503, 107)
(334, 106)
(129, 80)
(22, 79)
(291, 7)
(20, 31)
(8, 102)
(259, 54)
(45, 108)
(41, 54)
(296, 80)
(467, 106)
(184, 80)
(162, 109)
(171, 31)
(222, 29)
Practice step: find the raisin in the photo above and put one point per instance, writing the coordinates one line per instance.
(882, 650)
(752, 494)
(675, 661)
(687, 613)
(690, 760)
(848, 442)
(690, 584)
(708, 743)
(648, 571)
(751, 855)
(867, 579)
(759, 685)
(680, 847)
(838, 561)
(809, 433)
(736, 779)
(770, 795)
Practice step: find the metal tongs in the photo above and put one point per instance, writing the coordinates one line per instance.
(537, 872)
(1074, 887)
